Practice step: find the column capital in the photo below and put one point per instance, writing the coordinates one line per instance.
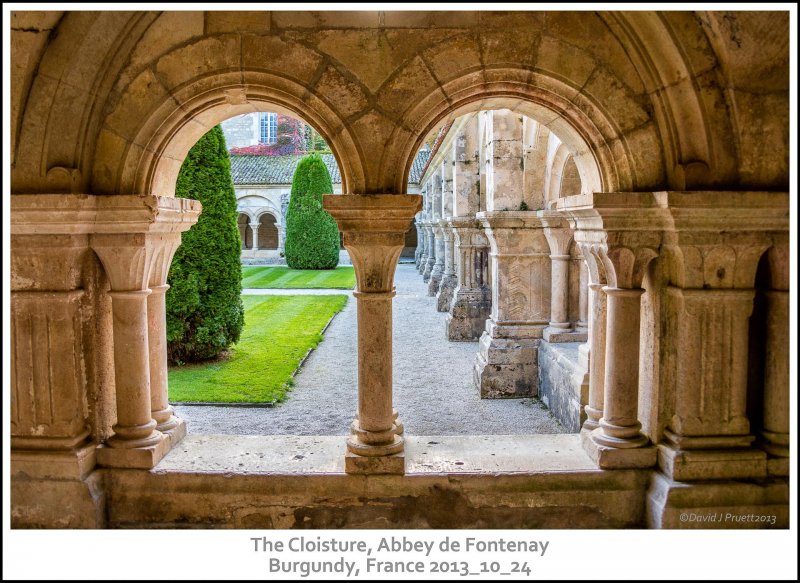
(373, 229)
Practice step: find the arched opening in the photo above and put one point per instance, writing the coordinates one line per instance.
(245, 231)
(570, 179)
(267, 232)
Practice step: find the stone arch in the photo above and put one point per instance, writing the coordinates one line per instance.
(151, 160)
(268, 237)
(604, 156)
(245, 231)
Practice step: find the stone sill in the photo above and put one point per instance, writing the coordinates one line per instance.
(434, 455)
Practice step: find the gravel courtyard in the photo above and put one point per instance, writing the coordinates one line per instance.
(433, 388)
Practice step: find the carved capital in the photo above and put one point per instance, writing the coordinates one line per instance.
(373, 230)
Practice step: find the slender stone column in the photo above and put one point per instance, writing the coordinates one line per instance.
(597, 359)
(420, 243)
(164, 250)
(282, 239)
(431, 250)
(507, 362)
(472, 300)
(438, 266)
(254, 228)
(423, 255)
(373, 228)
(619, 426)
(776, 423)
(582, 325)
(449, 278)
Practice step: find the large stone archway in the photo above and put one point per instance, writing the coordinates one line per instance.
(667, 116)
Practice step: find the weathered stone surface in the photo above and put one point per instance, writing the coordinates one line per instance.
(561, 383)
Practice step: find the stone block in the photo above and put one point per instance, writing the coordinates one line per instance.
(444, 297)
(715, 464)
(468, 314)
(507, 368)
(561, 384)
(368, 465)
(136, 457)
(612, 458)
(717, 504)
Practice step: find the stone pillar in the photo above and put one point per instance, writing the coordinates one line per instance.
(472, 300)
(449, 279)
(775, 432)
(431, 250)
(373, 228)
(507, 361)
(420, 243)
(582, 325)
(423, 254)
(438, 266)
(281, 239)
(164, 250)
(127, 260)
(254, 228)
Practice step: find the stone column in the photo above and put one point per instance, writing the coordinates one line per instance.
(420, 243)
(431, 249)
(164, 247)
(374, 229)
(776, 377)
(582, 325)
(438, 266)
(281, 239)
(449, 278)
(136, 442)
(507, 362)
(472, 300)
(254, 228)
(423, 255)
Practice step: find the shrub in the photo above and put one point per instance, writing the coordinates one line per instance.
(312, 237)
(205, 314)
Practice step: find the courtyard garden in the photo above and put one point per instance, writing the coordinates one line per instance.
(268, 277)
(259, 368)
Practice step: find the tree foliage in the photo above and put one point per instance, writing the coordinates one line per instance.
(205, 314)
(312, 237)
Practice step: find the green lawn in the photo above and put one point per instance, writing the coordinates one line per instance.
(283, 277)
(278, 332)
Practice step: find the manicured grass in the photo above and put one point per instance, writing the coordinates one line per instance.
(278, 332)
(283, 277)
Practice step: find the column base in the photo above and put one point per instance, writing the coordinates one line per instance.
(711, 464)
(445, 296)
(138, 457)
(426, 274)
(612, 458)
(555, 335)
(721, 505)
(177, 433)
(434, 281)
(468, 314)
(507, 368)
(387, 464)
(57, 489)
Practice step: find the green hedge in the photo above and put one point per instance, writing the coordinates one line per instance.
(312, 237)
(204, 305)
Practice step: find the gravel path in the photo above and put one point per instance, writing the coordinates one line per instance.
(433, 388)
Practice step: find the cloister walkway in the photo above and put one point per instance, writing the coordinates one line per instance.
(433, 388)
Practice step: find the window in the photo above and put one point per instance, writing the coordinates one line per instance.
(269, 128)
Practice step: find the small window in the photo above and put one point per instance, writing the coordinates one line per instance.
(269, 128)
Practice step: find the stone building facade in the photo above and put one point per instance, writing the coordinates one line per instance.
(673, 255)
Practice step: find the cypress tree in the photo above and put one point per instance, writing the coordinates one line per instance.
(205, 314)
(312, 237)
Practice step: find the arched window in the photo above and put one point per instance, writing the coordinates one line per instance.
(268, 128)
